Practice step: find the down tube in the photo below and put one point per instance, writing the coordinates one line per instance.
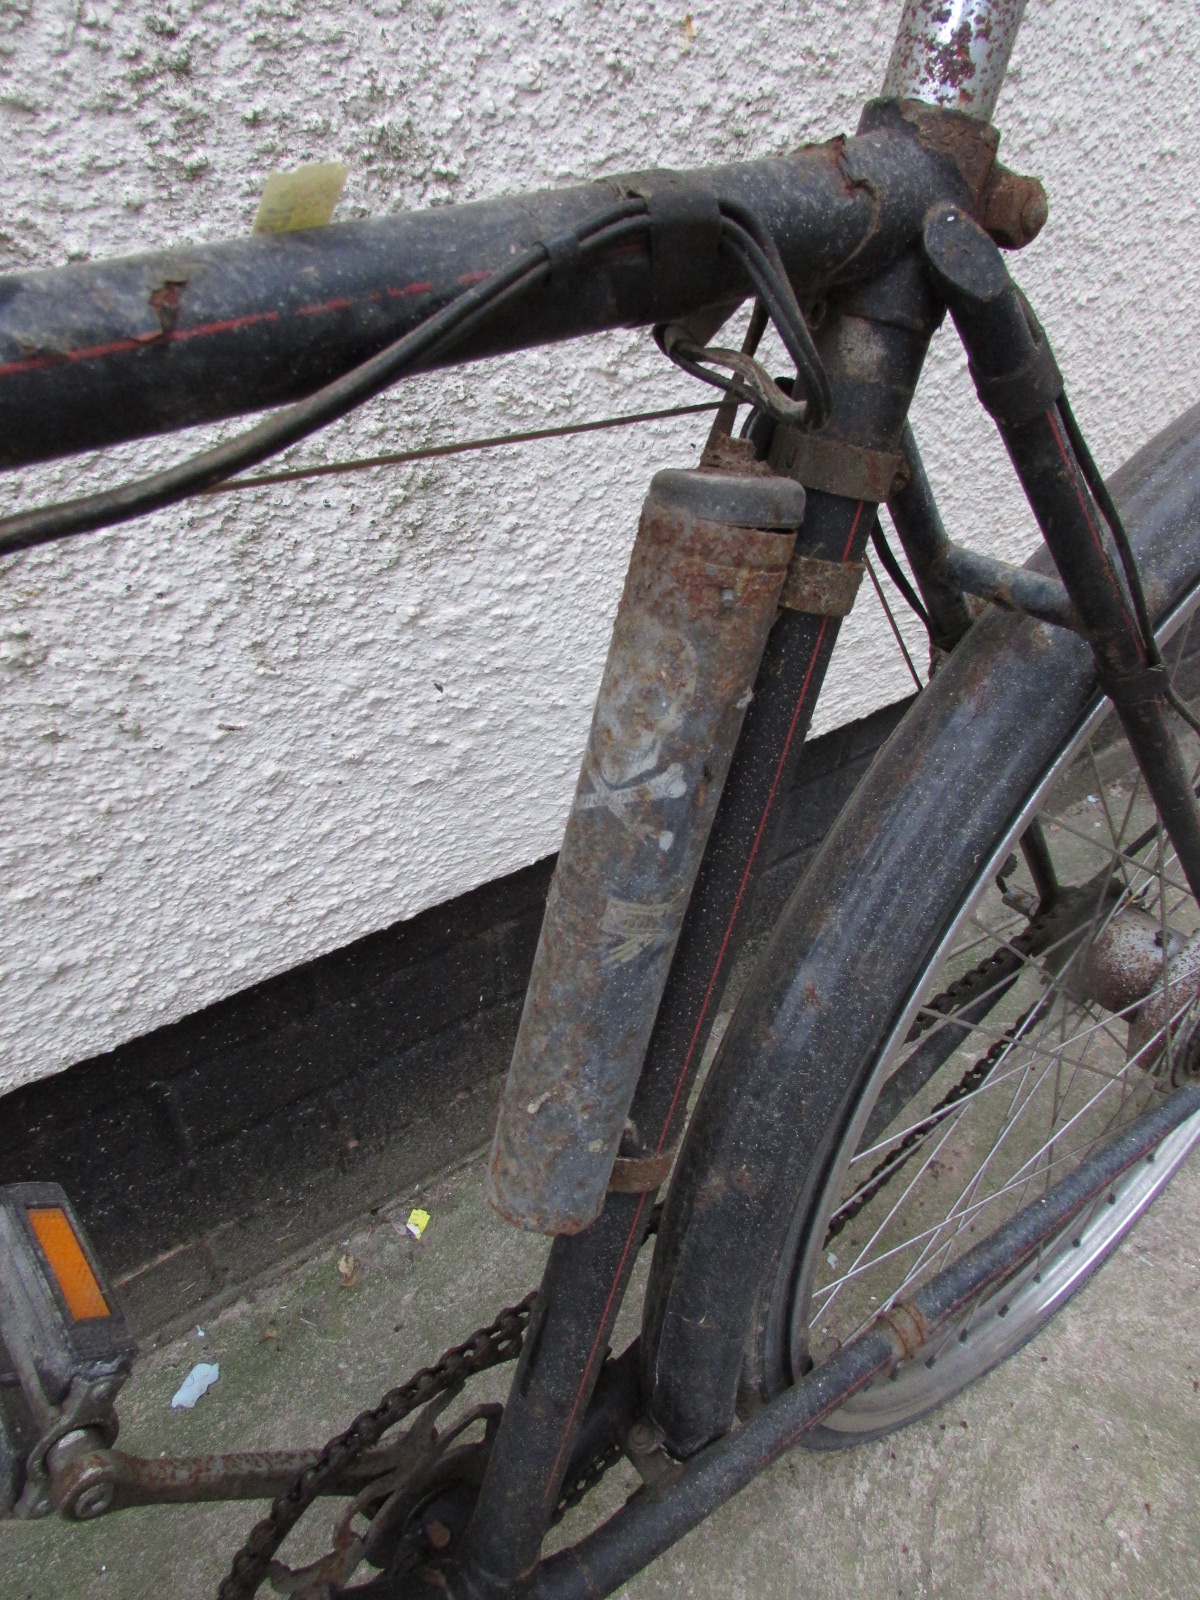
(872, 343)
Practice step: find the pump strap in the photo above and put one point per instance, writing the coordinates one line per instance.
(822, 588)
(836, 467)
(640, 1174)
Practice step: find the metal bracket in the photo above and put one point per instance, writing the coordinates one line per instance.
(644, 1448)
(1014, 588)
(87, 1416)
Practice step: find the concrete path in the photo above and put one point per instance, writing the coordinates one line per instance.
(1071, 1471)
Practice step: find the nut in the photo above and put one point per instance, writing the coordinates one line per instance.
(644, 1438)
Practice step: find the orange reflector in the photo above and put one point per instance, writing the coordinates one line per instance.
(68, 1263)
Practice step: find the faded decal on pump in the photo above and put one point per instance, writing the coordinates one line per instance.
(630, 928)
(634, 716)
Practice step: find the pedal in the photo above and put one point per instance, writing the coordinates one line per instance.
(65, 1349)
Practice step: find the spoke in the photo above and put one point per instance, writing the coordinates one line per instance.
(994, 1036)
(1017, 1180)
(994, 1080)
(1135, 790)
(1133, 1061)
(1011, 1120)
(1102, 795)
(1058, 1093)
(1162, 933)
(899, 1202)
(973, 944)
(1015, 1113)
(860, 1268)
(1014, 1116)
(1097, 844)
(1033, 1077)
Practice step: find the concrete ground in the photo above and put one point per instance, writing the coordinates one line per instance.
(1070, 1471)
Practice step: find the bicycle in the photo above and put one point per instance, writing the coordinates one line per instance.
(966, 1061)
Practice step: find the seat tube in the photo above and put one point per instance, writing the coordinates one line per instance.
(872, 343)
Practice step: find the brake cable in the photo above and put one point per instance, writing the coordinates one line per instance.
(428, 340)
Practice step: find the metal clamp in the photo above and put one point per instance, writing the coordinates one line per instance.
(821, 588)
(1015, 398)
(640, 1174)
(835, 467)
(1135, 688)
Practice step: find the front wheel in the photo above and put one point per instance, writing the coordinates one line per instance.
(989, 972)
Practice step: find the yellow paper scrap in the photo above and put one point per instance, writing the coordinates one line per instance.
(418, 1221)
(304, 198)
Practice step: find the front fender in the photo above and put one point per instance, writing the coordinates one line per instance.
(838, 969)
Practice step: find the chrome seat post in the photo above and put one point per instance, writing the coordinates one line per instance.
(953, 53)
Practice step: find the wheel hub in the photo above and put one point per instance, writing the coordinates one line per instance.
(1120, 966)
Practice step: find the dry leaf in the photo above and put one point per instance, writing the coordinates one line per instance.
(350, 1271)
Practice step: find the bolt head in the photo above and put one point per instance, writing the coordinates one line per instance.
(93, 1502)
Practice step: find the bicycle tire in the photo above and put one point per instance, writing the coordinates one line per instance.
(835, 995)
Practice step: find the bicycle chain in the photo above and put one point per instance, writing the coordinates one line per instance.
(975, 984)
(501, 1340)
(582, 1484)
(488, 1347)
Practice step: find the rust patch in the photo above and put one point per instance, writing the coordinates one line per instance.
(970, 144)
(834, 465)
(726, 454)
(907, 1326)
(1013, 209)
(110, 1480)
(164, 302)
(640, 1174)
(1170, 1013)
(953, 54)
(821, 588)
(1122, 964)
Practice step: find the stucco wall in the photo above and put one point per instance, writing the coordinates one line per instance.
(249, 731)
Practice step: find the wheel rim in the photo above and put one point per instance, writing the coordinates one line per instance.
(1042, 1071)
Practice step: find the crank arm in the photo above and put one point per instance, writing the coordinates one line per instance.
(92, 1483)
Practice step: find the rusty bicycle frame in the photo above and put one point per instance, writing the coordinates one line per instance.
(740, 574)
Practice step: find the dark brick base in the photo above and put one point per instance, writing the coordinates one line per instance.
(201, 1154)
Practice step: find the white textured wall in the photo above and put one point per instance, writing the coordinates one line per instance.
(247, 732)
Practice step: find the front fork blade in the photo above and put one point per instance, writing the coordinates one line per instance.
(1018, 382)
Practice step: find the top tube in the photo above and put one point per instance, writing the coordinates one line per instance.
(954, 53)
